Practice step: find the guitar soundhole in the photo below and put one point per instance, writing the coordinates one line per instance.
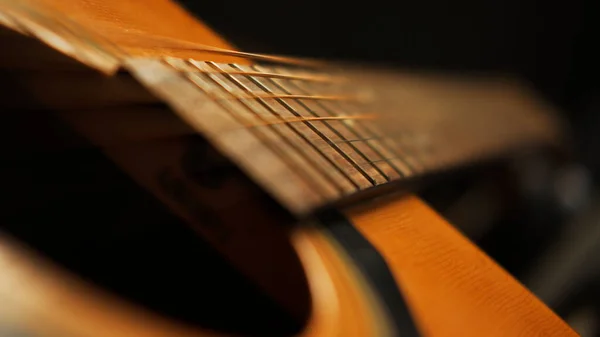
(75, 207)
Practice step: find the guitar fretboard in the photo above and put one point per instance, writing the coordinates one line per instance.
(309, 135)
(313, 137)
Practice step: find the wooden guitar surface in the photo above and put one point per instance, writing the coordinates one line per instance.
(451, 287)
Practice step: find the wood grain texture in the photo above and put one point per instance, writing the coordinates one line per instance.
(452, 287)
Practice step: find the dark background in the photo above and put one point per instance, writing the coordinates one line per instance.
(545, 240)
(551, 44)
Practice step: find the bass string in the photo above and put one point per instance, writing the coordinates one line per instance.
(285, 120)
(268, 121)
(277, 96)
(291, 77)
(317, 97)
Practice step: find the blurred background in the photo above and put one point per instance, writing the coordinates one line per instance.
(538, 217)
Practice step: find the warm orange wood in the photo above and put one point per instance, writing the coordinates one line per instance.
(452, 287)
(41, 299)
(149, 27)
(342, 304)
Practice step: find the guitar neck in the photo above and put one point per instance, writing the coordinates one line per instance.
(309, 133)
(311, 143)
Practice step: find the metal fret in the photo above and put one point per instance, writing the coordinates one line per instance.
(352, 147)
(315, 97)
(294, 108)
(349, 152)
(276, 108)
(297, 77)
(390, 143)
(312, 154)
(374, 161)
(389, 171)
(282, 147)
(374, 145)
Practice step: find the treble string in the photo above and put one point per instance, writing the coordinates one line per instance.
(268, 122)
(285, 120)
(291, 77)
(293, 96)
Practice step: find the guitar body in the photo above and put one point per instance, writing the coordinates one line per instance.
(382, 267)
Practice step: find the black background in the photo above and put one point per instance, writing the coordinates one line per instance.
(551, 44)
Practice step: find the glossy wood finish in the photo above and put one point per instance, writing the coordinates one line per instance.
(453, 289)
(143, 28)
(451, 286)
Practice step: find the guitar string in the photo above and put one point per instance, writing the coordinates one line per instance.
(82, 34)
(199, 47)
(286, 76)
(283, 120)
(240, 118)
(313, 119)
(382, 157)
(263, 57)
(348, 127)
(319, 97)
(307, 78)
(216, 79)
(390, 140)
(312, 127)
(178, 44)
(293, 129)
(328, 125)
(256, 95)
(369, 131)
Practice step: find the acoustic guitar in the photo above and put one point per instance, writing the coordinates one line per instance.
(298, 172)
